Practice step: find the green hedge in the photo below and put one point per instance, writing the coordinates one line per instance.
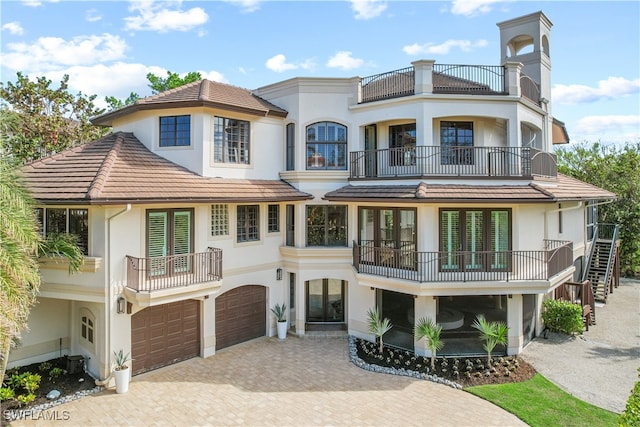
(631, 415)
(562, 316)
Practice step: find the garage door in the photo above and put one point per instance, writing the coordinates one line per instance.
(241, 315)
(165, 334)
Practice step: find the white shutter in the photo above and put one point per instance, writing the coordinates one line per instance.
(157, 242)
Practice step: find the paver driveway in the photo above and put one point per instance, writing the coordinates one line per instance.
(267, 382)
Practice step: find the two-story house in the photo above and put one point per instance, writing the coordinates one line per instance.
(429, 191)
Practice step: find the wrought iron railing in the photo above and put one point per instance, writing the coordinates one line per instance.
(439, 161)
(153, 274)
(392, 84)
(462, 266)
(469, 79)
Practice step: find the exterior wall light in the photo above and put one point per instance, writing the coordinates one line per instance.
(121, 305)
(278, 274)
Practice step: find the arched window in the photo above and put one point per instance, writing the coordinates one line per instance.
(326, 146)
(87, 328)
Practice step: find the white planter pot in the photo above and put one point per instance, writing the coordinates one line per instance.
(122, 380)
(282, 329)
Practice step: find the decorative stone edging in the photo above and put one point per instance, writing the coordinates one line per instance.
(18, 413)
(353, 355)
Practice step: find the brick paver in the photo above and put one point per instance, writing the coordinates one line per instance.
(267, 382)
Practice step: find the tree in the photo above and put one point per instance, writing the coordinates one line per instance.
(50, 120)
(492, 333)
(115, 103)
(614, 169)
(430, 330)
(20, 247)
(377, 325)
(172, 81)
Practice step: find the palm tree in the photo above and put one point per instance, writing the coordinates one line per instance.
(492, 333)
(430, 330)
(20, 247)
(377, 325)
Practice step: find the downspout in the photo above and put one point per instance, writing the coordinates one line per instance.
(109, 294)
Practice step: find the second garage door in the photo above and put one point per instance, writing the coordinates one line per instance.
(165, 334)
(241, 315)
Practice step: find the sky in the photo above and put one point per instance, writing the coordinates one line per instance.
(108, 47)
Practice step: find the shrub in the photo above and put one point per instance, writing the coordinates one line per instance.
(562, 316)
(55, 373)
(631, 414)
(6, 393)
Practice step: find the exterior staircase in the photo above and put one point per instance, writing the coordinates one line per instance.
(603, 265)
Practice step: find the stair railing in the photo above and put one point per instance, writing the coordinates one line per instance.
(614, 239)
(587, 263)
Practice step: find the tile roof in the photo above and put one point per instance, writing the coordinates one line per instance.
(204, 93)
(120, 169)
(565, 188)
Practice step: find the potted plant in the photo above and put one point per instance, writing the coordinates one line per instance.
(281, 319)
(121, 371)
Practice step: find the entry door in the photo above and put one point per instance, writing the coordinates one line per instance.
(325, 301)
(370, 146)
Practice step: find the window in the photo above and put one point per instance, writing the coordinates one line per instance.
(291, 147)
(65, 220)
(326, 146)
(220, 220)
(592, 219)
(290, 238)
(175, 131)
(456, 140)
(87, 328)
(273, 218)
(230, 141)
(326, 225)
(325, 300)
(169, 232)
(475, 239)
(248, 224)
(402, 144)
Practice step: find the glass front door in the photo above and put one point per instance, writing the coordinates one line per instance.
(325, 301)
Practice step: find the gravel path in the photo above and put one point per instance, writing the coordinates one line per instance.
(600, 366)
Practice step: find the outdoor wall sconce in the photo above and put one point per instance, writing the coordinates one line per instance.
(121, 305)
(278, 274)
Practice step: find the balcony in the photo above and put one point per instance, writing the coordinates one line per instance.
(443, 162)
(174, 272)
(463, 266)
(428, 77)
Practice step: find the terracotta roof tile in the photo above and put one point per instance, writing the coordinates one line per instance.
(120, 169)
(564, 188)
(201, 93)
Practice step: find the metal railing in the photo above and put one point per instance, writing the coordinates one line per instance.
(529, 89)
(469, 79)
(462, 266)
(439, 161)
(174, 271)
(392, 84)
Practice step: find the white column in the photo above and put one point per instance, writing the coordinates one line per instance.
(424, 307)
(513, 70)
(423, 75)
(514, 320)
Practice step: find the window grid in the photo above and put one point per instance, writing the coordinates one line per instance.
(273, 218)
(175, 131)
(326, 225)
(326, 146)
(456, 140)
(220, 220)
(248, 224)
(64, 220)
(231, 141)
(87, 329)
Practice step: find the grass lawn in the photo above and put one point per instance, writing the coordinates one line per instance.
(540, 403)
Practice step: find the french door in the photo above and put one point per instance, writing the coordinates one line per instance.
(169, 235)
(325, 301)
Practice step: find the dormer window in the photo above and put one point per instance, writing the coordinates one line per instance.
(175, 131)
(230, 141)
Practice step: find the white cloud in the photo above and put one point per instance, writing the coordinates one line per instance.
(13, 28)
(368, 9)
(92, 15)
(613, 87)
(50, 53)
(37, 3)
(616, 129)
(163, 17)
(472, 7)
(279, 64)
(443, 48)
(247, 6)
(344, 60)
(214, 76)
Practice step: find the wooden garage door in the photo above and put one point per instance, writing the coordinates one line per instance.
(165, 334)
(241, 315)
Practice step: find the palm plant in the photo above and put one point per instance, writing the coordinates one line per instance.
(377, 325)
(20, 247)
(492, 333)
(430, 330)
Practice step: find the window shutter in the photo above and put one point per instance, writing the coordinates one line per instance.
(450, 238)
(499, 238)
(181, 240)
(157, 242)
(474, 239)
